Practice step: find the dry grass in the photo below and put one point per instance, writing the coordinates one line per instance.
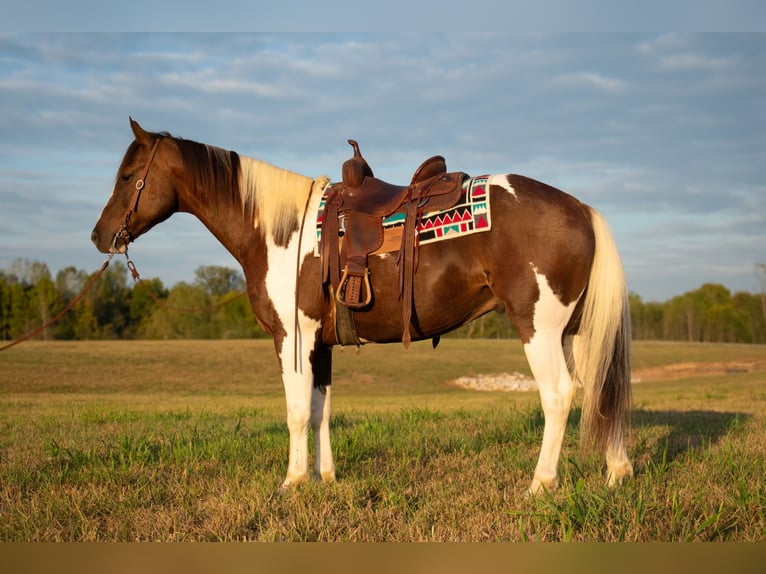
(186, 441)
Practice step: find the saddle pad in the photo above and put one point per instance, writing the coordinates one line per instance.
(471, 214)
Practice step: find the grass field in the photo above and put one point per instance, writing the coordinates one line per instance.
(186, 441)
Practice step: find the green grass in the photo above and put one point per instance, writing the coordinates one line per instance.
(186, 441)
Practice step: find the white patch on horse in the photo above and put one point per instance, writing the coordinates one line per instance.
(281, 281)
(546, 358)
(502, 181)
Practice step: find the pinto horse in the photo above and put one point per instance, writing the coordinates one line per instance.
(549, 261)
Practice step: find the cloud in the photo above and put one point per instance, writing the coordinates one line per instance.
(690, 62)
(590, 80)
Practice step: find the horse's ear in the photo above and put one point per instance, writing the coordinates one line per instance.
(142, 136)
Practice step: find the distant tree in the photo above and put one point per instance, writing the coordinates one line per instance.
(5, 307)
(111, 302)
(493, 325)
(143, 302)
(69, 282)
(646, 318)
(760, 273)
(21, 317)
(748, 308)
(233, 318)
(84, 323)
(218, 281)
(185, 315)
(29, 272)
(45, 302)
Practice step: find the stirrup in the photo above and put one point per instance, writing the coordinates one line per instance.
(352, 287)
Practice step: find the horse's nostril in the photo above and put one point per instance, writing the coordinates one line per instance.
(94, 237)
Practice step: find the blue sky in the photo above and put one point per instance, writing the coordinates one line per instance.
(665, 133)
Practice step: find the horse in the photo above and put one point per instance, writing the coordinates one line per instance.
(548, 261)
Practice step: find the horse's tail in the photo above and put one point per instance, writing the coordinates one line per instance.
(601, 349)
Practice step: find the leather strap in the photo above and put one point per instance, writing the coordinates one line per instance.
(407, 255)
(133, 204)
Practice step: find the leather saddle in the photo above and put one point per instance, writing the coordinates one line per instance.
(364, 201)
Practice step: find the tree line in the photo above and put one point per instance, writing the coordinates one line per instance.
(212, 307)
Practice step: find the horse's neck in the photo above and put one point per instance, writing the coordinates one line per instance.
(211, 192)
(242, 200)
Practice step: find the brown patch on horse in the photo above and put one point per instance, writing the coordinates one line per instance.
(563, 221)
(547, 232)
(255, 265)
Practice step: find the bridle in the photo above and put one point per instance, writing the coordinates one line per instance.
(123, 232)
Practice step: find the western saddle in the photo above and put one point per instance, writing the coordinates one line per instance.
(364, 201)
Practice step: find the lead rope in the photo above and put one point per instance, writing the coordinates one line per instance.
(297, 275)
(96, 276)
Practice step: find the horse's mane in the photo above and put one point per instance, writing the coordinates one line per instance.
(270, 197)
(275, 196)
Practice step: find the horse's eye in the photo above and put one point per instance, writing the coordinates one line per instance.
(126, 177)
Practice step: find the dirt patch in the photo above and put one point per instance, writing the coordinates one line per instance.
(496, 382)
(522, 382)
(696, 369)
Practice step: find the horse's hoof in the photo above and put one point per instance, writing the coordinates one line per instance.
(616, 475)
(540, 487)
(327, 476)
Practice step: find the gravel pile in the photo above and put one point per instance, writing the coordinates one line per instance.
(497, 382)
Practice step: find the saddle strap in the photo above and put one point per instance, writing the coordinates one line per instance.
(407, 267)
(329, 248)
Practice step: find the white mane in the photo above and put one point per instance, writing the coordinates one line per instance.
(273, 198)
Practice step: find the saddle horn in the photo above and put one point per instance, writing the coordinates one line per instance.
(356, 168)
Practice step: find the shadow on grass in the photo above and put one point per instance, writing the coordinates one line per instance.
(659, 435)
(674, 431)
(668, 435)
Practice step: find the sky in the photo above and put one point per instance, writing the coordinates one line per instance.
(664, 133)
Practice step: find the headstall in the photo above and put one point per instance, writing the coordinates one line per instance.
(123, 232)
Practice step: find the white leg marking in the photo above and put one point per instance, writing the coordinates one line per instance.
(545, 354)
(324, 467)
(502, 181)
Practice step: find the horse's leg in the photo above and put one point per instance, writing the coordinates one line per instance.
(618, 464)
(298, 390)
(297, 378)
(547, 361)
(324, 467)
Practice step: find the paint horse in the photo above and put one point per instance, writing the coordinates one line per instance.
(548, 261)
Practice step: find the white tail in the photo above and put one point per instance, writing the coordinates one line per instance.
(601, 348)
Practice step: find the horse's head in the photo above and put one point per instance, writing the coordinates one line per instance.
(144, 192)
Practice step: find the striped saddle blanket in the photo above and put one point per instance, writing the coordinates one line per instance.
(471, 214)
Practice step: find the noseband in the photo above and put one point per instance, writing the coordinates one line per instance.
(123, 232)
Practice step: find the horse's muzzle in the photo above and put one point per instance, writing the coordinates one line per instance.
(116, 244)
(95, 237)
